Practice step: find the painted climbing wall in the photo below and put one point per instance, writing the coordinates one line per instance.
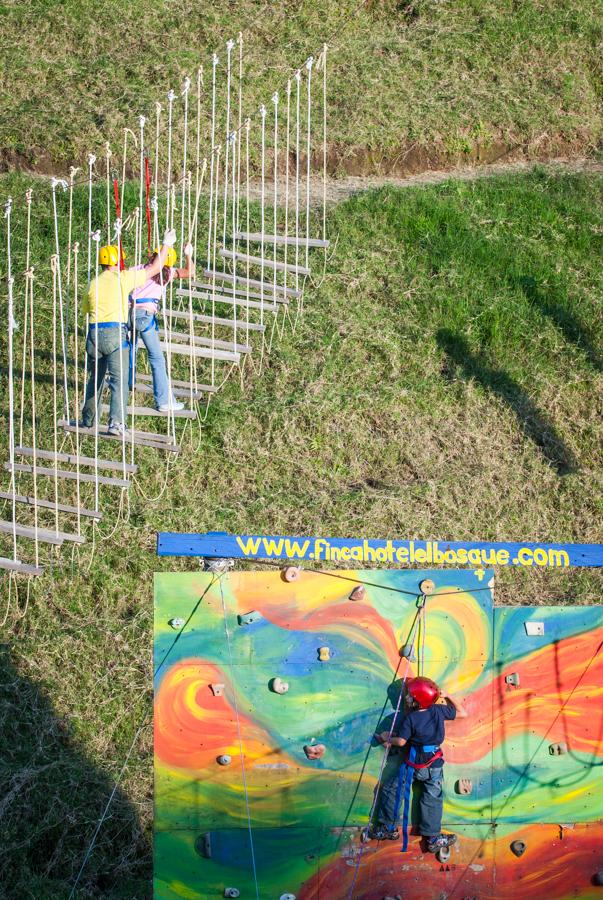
(291, 826)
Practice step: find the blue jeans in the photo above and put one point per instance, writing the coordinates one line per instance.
(107, 350)
(146, 329)
(430, 800)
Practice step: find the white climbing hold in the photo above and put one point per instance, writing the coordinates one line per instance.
(427, 586)
(534, 629)
(358, 593)
(176, 623)
(291, 573)
(224, 760)
(279, 686)
(287, 897)
(232, 892)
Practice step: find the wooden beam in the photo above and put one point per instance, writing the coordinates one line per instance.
(256, 237)
(50, 504)
(68, 474)
(202, 340)
(227, 290)
(218, 355)
(231, 301)
(252, 282)
(144, 438)
(243, 324)
(73, 459)
(151, 411)
(47, 537)
(177, 392)
(206, 388)
(12, 565)
(267, 263)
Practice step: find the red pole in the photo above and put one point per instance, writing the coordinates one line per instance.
(148, 204)
(122, 265)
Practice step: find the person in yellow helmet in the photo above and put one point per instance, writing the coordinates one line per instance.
(145, 304)
(107, 343)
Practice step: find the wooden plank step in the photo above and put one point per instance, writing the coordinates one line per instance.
(206, 388)
(50, 504)
(73, 459)
(227, 290)
(177, 392)
(203, 341)
(252, 282)
(232, 301)
(218, 355)
(68, 474)
(47, 537)
(12, 565)
(226, 323)
(151, 411)
(267, 263)
(144, 438)
(257, 237)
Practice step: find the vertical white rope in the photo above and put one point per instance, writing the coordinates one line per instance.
(171, 96)
(275, 197)
(233, 141)
(123, 169)
(309, 63)
(96, 239)
(121, 320)
(72, 172)
(141, 189)
(157, 131)
(11, 396)
(248, 225)
(108, 155)
(30, 288)
(213, 267)
(185, 92)
(227, 139)
(28, 198)
(262, 200)
(324, 146)
(134, 338)
(239, 122)
(287, 151)
(297, 167)
(54, 265)
(198, 147)
(91, 161)
(57, 182)
(76, 401)
(212, 160)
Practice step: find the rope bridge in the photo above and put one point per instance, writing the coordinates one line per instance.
(237, 188)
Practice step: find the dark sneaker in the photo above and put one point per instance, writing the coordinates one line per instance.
(440, 842)
(383, 833)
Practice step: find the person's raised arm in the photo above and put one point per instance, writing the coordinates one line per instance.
(189, 269)
(451, 700)
(169, 239)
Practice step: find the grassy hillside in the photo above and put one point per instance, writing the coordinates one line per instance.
(412, 81)
(444, 381)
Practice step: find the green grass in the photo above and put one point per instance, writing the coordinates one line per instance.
(444, 381)
(411, 82)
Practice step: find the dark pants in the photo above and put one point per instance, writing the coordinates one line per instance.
(107, 351)
(430, 800)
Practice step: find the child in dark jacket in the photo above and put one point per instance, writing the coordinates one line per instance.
(420, 731)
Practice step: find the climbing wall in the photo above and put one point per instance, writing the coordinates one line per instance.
(271, 822)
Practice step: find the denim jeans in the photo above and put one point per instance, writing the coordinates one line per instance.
(107, 351)
(430, 800)
(146, 330)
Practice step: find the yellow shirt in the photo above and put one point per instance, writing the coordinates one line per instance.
(107, 299)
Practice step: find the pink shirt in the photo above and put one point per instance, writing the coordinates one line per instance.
(150, 291)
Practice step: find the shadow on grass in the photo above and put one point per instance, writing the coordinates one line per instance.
(533, 423)
(567, 322)
(51, 798)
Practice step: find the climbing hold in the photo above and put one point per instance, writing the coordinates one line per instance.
(598, 878)
(324, 654)
(314, 751)
(219, 566)
(464, 786)
(518, 848)
(558, 749)
(217, 689)
(224, 760)
(287, 897)
(443, 854)
(359, 592)
(512, 679)
(232, 892)
(427, 586)
(279, 686)
(408, 652)
(534, 628)
(291, 573)
(203, 845)
(250, 617)
(176, 623)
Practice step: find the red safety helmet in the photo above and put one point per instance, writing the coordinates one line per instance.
(423, 691)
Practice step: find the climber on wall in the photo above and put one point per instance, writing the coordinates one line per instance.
(107, 342)
(420, 731)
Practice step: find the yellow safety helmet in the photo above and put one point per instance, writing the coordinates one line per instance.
(109, 255)
(172, 256)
